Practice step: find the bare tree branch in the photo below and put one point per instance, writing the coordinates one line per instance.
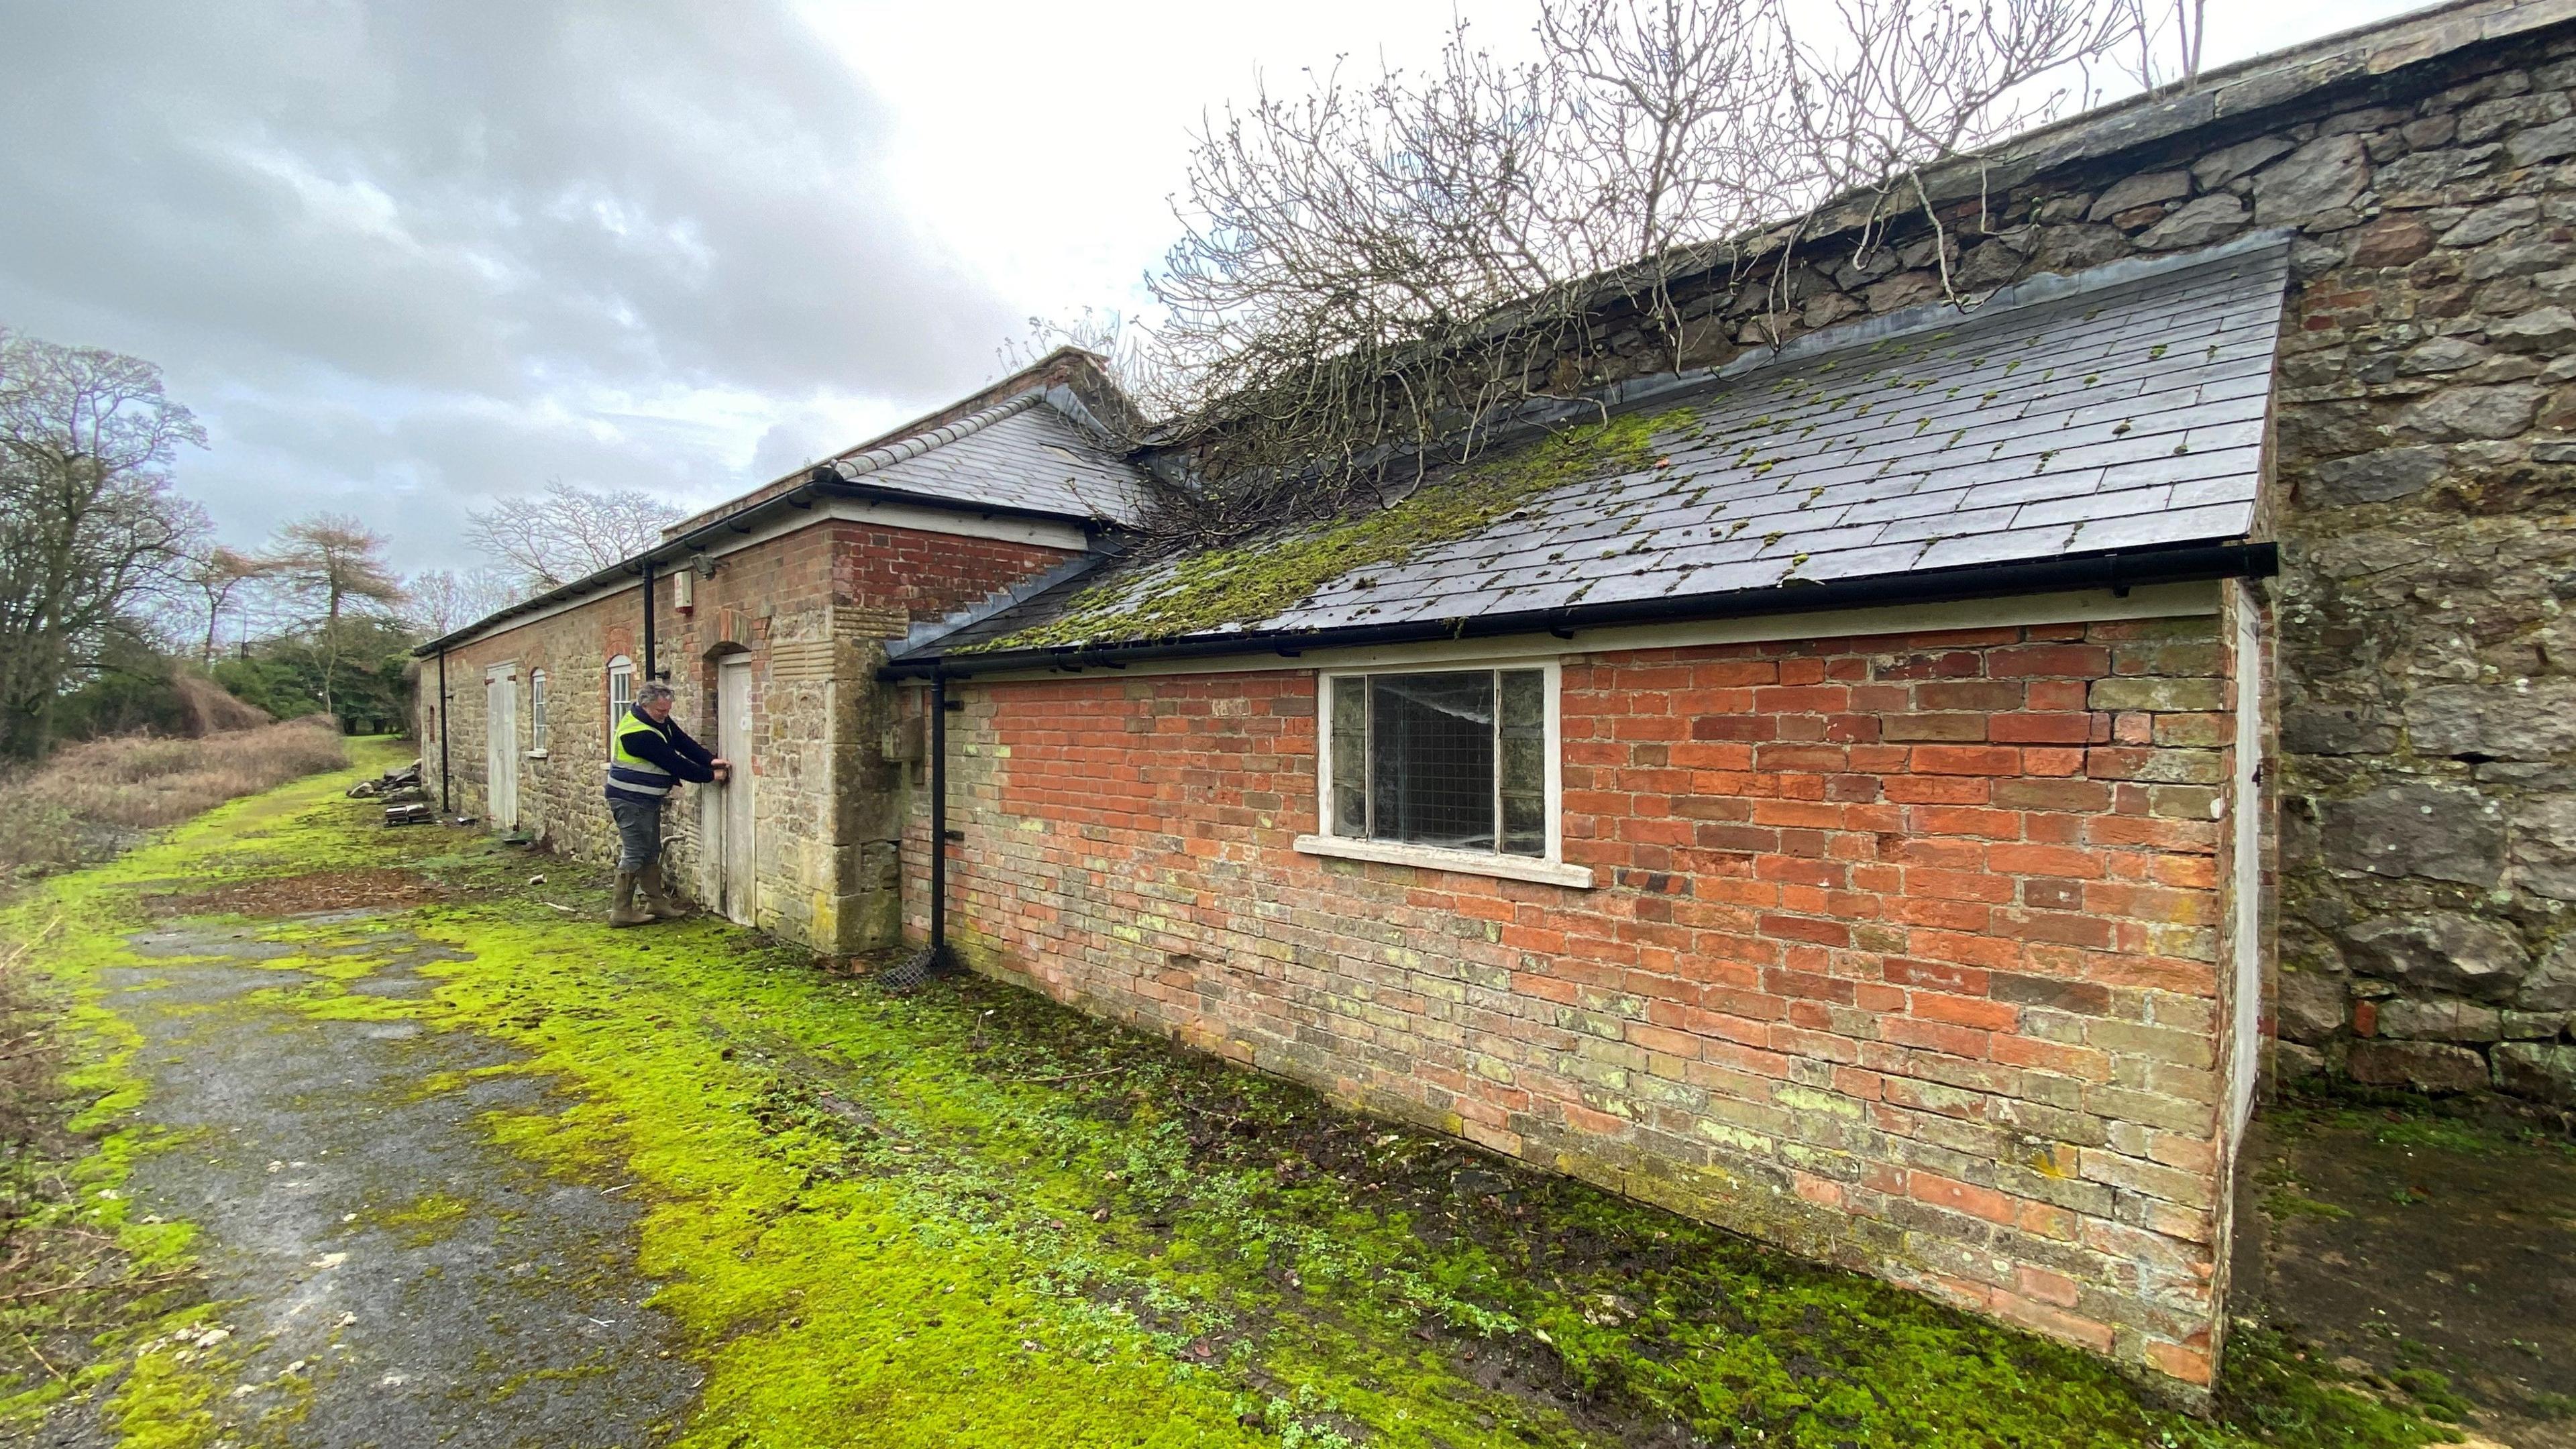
(1372, 268)
(217, 579)
(332, 568)
(565, 533)
(443, 600)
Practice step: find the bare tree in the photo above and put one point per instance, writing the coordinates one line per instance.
(1374, 267)
(565, 533)
(332, 569)
(216, 580)
(444, 600)
(88, 523)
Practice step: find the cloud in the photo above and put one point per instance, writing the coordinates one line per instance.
(403, 257)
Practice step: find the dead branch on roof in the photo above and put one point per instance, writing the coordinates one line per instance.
(1374, 268)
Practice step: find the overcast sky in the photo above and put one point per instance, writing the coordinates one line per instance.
(402, 258)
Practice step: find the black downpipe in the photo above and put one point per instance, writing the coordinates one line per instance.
(650, 671)
(918, 967)
(443, 797)
(938, 815)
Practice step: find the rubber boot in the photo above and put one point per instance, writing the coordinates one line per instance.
(623, 910)
(658, 898)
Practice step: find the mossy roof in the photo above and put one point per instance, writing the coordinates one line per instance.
(2117, 410)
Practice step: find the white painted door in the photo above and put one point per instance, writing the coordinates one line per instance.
(501, 744)
(2245, 803)
(733, 742)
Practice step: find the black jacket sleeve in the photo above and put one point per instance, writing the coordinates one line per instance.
(670, 747)
(696, 752)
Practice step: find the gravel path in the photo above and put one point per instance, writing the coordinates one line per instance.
(384, 1273)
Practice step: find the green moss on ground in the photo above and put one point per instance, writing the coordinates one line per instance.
(1253, 581)
(2469, 1126)
(427, 1218)
(969, 1217)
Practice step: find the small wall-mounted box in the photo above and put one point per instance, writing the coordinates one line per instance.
(900, 743)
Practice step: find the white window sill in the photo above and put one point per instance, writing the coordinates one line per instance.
(1432, 857)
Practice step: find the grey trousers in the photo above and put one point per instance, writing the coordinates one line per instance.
(639, 830)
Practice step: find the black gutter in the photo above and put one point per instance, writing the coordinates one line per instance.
(799, 498)
(2118, 572)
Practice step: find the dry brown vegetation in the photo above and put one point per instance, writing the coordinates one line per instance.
(89, 799)
(209, 708)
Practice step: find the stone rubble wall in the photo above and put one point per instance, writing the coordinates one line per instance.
(2424, 468)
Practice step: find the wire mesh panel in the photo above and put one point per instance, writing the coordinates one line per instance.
(1431, 767)
(1521, 784)
(1452, 758)
(1350, 758)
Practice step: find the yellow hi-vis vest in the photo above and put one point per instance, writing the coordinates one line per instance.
(630, 773)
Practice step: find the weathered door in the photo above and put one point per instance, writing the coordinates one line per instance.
(733, 742)
(501, 744)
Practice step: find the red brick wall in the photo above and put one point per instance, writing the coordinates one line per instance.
(904, 575)
(1904, 950)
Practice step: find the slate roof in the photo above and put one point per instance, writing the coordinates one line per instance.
(1022, 454)
(2119, 409)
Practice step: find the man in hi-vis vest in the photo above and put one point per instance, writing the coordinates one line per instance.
(648, 752)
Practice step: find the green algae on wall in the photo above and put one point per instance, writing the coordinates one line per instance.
(1253, 581)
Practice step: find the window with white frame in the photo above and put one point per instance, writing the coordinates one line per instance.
(621, 692)
(537, 712)
(1444, 760)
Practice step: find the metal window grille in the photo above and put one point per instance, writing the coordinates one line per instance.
(1455, 759)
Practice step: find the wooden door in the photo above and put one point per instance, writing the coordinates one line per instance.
(733, 742)
(501, 744)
